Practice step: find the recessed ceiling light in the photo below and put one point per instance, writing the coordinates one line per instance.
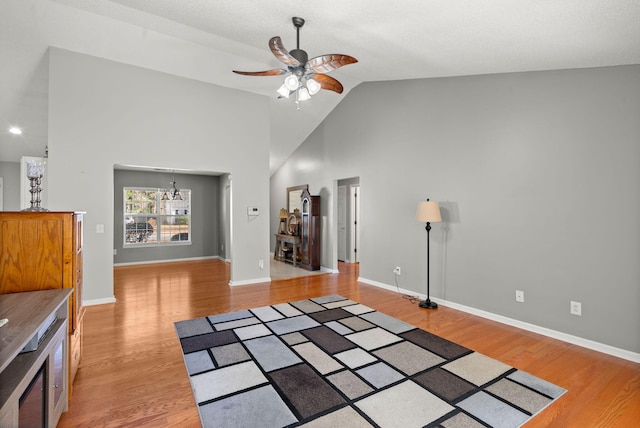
(15, 130)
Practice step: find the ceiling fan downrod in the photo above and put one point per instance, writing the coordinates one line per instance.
(298, 23)
(298, 53)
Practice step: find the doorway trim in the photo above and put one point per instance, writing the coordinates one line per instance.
(352, 211)
(355, 222)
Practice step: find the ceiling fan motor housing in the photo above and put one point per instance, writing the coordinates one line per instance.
(300, 55)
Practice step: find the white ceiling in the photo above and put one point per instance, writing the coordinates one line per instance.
(393, 40)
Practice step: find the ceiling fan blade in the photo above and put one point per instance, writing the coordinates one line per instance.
(328, 82)
(326, 63)
(274, 72)
(275, 44)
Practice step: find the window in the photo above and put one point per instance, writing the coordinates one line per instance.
(151, 218)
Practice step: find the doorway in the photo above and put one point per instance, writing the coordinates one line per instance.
(209, 226)
(348, 203)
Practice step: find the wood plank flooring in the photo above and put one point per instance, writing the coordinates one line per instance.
(132, 374)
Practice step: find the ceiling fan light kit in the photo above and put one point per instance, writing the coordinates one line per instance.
(305, 77)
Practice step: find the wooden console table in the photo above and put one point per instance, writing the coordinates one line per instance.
(282, 239)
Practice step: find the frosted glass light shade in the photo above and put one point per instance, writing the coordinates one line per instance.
(303, 94)
(428, 212)
(313, 86)
(283, 91)
(291, 82)
(35, 169)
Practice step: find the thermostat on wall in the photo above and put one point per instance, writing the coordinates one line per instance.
(253, 211)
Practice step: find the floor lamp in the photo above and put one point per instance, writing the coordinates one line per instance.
(429, 212)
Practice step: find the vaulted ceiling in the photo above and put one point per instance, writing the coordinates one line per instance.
(392, 40)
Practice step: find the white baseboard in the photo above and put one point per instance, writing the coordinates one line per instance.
(249, 281)
(103, 301)
(328, 270)
(151, 262)
(383, 285)
(575, 340)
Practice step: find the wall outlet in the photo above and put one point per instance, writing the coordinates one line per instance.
(261, 264)
(519, 296)
(576, 308)
(397, 270)
(115, 252)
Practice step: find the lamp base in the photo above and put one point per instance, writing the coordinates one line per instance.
(428, 304)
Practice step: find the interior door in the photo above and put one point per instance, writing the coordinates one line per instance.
(342, 223)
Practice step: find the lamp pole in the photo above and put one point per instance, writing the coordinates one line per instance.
(429, 212)
(428, 304)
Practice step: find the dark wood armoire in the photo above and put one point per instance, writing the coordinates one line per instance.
(310, 231)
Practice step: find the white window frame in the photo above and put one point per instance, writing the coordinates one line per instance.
(167, 214)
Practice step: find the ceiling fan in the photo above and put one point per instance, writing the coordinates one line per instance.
(305, 76)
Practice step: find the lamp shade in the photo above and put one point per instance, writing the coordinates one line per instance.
(303, 94)
(313, 86)
(283, 213)
(291, 82)
(283, 91)
(428, 212)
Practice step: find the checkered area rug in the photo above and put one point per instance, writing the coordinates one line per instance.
(330, 362)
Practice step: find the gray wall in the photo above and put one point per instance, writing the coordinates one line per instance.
(205, 216)
(538, 176)
(10, 172)
(103, 113)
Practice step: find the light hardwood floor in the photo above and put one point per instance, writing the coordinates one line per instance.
(132, 374)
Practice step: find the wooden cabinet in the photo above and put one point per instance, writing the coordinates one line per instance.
(43, 251)
(33, 385)
(75, 333)
(75, 352)
(310, 231)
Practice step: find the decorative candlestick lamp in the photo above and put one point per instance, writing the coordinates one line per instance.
(35, 171)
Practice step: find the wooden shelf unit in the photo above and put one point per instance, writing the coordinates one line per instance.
(287, 245)
(43, 251)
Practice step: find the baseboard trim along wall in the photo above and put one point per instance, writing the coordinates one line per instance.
(574, 340)
(151, 262)
(249, 281)
(94, 302)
